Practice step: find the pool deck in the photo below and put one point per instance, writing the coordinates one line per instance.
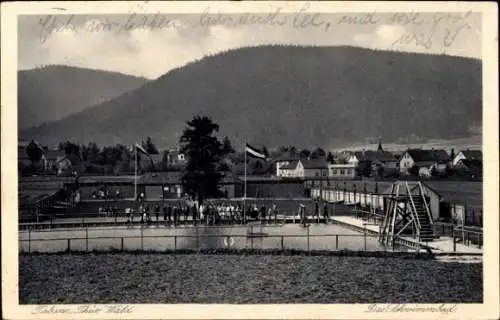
(443, 244)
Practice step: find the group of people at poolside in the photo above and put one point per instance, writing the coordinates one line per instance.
(212, 213)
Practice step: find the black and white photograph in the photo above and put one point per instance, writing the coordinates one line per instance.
(250, 154)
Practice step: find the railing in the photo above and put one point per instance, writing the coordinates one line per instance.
(369, 216)
(469, 237)
(121, 220)
(196, 241)
(422, 193)
(465, 236)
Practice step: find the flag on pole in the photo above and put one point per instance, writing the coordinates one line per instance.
(254, 152)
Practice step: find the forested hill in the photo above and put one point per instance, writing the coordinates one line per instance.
(54, 92)
(281, 95)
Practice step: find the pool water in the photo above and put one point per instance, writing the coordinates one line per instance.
(274, 236)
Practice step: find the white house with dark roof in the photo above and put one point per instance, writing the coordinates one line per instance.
(425, 160)
(476, 155)
(286, 164)
(303, 168)
(287, 168)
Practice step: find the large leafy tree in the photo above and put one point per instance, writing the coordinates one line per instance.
(34, 152)
(305, 153)
(204, 152)
(329, 157)
(318, 153)
(72, 151)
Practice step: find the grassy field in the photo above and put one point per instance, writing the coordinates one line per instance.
(191, 278)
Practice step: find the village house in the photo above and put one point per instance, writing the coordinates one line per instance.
(63, 166)
(153, 162)
(468, 155)
(315, 168)
(472, 168)
(376, 161)
(425, 160)
(287, 169)
(286, 164)
(342, 171)
(176, 157)
(304, 168)
(52, 158)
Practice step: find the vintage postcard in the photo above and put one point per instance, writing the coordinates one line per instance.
(250, 160)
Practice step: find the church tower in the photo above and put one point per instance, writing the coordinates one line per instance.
(380, 149)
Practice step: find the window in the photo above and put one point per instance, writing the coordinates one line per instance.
(342, 171)
(334, 171)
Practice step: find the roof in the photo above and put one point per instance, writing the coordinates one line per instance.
(340, 165)
(314, 164)
(105, 179)
(160, 177)
(375, 155)
(473, 154)
(290, 166)
(156, 157)
(31, 197)
(424, 163)
(471, 163)
(462, 192)
(170, 177)
(420, 155)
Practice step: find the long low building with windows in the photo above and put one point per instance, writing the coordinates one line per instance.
(342, 171)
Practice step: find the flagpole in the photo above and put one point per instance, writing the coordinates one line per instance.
(135, 173)
(245, 186)
(245, 150)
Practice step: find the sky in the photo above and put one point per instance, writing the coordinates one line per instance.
(151, 45)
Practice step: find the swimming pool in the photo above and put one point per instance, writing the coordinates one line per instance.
(255, 236)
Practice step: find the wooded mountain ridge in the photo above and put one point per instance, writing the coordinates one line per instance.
(54, 92)
(291, 95)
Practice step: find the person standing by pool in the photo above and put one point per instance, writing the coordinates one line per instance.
(194, 213)
(169, 213)
(325, 212)
(174, 214)
(302, 214)
(186, 213)
(255, 211)
(275, 212)
(115, 211)
(157, 212)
